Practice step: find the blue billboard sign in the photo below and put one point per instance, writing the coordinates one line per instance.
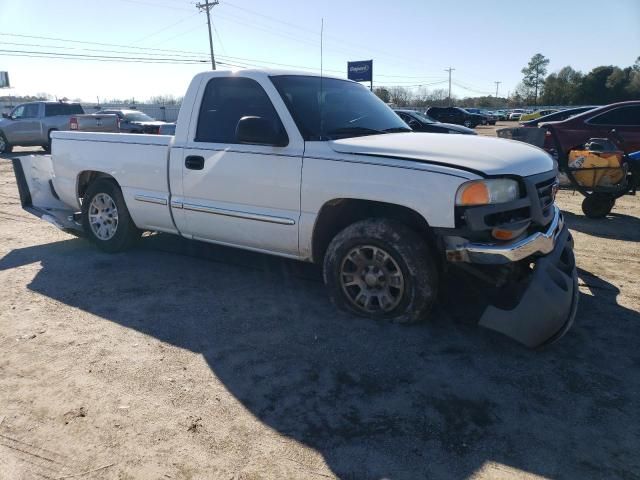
(360, 71)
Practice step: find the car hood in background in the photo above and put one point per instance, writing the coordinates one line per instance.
(457, 128)
(491, 156)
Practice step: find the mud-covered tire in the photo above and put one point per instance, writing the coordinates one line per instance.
(5, 147)
(598, 205)
(408, 251)
(126, 233)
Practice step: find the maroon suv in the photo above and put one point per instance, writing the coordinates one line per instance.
(623, 117)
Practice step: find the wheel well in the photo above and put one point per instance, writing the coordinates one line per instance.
(87, 177)
(338, 214)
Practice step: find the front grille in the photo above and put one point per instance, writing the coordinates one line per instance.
(546, 193)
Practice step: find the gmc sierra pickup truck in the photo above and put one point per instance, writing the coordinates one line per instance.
(320, 170)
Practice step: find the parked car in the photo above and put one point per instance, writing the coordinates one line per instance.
(319, 169)
(133, 121)
(556, 117)
(168, 129)
(516, 113)
(489, 118)
(30, 124)
(501, 115)
(96, 122)
(421, 122)
(537, 114)
(623, 117)
(456, 115)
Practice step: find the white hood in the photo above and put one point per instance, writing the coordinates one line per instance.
(491, 156)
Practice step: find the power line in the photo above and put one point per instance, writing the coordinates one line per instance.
(166, 28)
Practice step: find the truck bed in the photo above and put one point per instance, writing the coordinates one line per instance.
(137, 162)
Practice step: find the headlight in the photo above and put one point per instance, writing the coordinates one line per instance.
(483, 192)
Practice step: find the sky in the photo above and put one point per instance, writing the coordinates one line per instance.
(411, 42)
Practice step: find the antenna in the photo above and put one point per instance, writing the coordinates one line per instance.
(321, 100)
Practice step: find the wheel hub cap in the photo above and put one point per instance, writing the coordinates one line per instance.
(371, 279)
(103, 216)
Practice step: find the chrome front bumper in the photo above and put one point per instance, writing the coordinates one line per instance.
(461, 250)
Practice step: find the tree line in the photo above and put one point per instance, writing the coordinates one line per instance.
(602, 85)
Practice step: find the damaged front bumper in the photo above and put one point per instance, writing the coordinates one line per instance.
(546, 298)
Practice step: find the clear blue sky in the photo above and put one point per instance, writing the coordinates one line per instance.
(411, 41)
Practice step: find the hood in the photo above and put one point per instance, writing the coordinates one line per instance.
(4, 121)
(491, 156)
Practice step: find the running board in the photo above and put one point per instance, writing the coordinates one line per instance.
(34, 174)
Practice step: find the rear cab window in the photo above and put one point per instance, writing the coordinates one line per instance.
(225, 101)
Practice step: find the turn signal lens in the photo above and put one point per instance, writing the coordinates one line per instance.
(484, 192)
(500, 234)
(474, 194)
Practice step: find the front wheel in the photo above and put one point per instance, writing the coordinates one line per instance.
(381, 269)
(468, 124)
(106, 219)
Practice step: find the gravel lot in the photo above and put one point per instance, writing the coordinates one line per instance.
(181, 360)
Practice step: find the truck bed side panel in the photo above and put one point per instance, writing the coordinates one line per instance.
(137, 162)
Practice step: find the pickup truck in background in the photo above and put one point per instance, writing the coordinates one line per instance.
(319, 169)
(116, 120)
(30, 124)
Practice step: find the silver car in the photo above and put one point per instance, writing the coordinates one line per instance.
(31, 124)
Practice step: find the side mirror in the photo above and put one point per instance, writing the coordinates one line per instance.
(258, 131)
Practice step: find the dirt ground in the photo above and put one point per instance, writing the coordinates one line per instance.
(180, 360)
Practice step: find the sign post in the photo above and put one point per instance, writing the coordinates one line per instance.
(361, 71)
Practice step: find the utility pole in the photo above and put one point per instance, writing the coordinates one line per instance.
(497, 85)
(449, 70)
(207, 6)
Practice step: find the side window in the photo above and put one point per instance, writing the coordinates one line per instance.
(72, 109)
(51, 110)
(31, 110)
(225, 102)
(18, 112)
(623, 116)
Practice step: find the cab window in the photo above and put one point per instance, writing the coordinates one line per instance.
(225, 102)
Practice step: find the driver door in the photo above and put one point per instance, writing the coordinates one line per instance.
(24, 127)
(234, 192)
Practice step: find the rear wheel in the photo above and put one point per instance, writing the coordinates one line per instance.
(4, 144)
(598, 205)
(381, 269)
(105, 217)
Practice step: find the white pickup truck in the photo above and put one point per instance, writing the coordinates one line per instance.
(320, 170)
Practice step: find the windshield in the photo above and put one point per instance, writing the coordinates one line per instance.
(138, 117)
(424, 118)
(327, 108)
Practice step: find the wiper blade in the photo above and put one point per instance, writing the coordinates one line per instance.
(397, 129)
(354, 131)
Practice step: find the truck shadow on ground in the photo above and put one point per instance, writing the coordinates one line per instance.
(439, 400)
(616, 226)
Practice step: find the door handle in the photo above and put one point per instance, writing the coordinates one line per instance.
(194, 162)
